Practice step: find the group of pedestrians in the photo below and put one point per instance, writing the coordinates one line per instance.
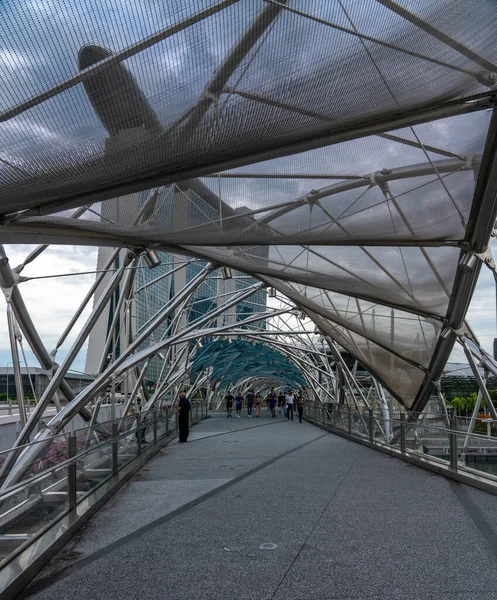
(286, 404)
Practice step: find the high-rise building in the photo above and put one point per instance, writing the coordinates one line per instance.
(154, 287)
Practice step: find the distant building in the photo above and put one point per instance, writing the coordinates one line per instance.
(155, 287)
(39, 381)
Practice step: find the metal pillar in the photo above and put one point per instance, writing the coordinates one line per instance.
(453, 440)
(479, 380)
(403, 432)
(72, 474)
(16, 367)
(115, 448)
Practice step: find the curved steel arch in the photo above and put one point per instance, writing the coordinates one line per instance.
(336, 265)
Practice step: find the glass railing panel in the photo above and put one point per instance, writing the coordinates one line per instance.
(147, 427)
(360, 423)
(95, 465)
(341, 419)
(162, 422)
(478, 452)
(426, 439)
(126, 449)
(432, 439)
(37, 457)
(32, 507)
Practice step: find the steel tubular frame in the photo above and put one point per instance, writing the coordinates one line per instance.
(327, 375)
(128, 360)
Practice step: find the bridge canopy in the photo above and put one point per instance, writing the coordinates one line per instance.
(234, 362)
(345, 152)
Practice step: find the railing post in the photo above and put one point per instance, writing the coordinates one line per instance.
(115, 447)
(453, 440)
(156, 416)
(71, 475)
(371, 425)
(139, 434)
(350, 419)
(402, 432)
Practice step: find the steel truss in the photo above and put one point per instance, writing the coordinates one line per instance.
(329, 379)
(318, 359)
(303, 321)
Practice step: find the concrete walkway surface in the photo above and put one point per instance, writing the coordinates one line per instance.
(345, 522)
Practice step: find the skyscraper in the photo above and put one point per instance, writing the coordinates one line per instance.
(154, 287)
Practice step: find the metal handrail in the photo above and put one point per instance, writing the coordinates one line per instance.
(70, 460)
(70, 463)
(455, 453)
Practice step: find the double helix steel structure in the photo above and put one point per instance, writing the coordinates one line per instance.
(283, 193)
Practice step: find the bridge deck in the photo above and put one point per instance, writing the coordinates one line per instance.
(337, 511)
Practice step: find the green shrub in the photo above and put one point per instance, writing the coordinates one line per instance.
(465, 405)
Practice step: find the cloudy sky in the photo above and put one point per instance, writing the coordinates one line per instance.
(51, 302)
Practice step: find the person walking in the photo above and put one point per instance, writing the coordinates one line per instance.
(229, 404)
(272, 405)
(300, 405)
(258, 403)
(290, 403)
(250, 402)
(281, 401)
(238, 405)
(183, 413)
(272, 396)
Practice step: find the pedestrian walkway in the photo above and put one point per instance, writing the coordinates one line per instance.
(344, 522)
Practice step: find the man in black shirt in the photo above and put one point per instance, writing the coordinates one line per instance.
(250, 402)
(229, 404)
(182, 414)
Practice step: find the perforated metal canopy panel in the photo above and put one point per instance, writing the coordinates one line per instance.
(238, 360)
(343, 152)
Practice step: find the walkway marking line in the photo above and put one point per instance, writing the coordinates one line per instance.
(208, 437)
(46, 582)
(475, 514)
(314, 527)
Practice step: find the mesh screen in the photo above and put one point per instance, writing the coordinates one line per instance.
(410, 336)
(374, 189)
(413, 278)
(283, 99)
(251, 77)
(400, 377)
